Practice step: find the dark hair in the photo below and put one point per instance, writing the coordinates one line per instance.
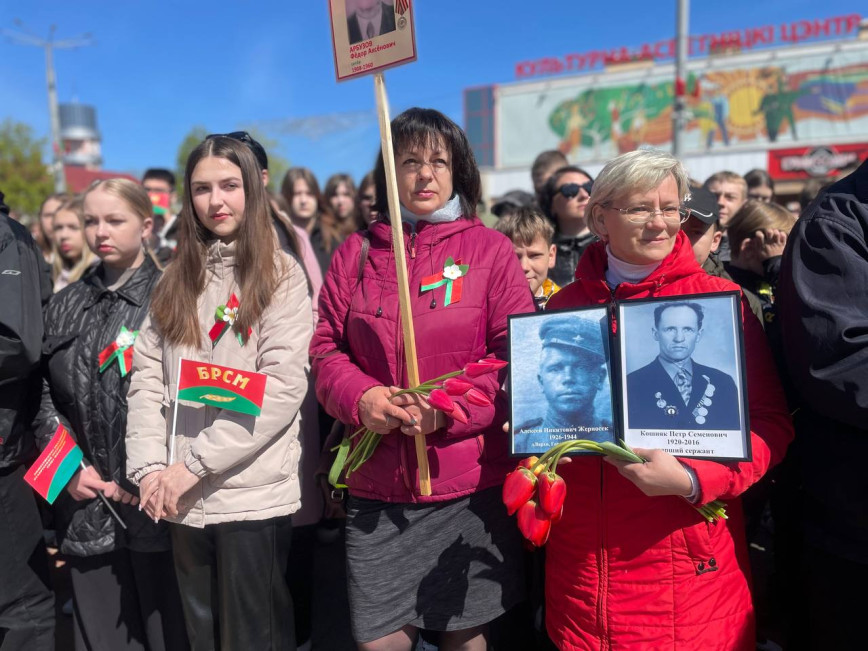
(421, 128)
(758, 178)
(544, 162)
(324, 216)
(173, 304)
(550, 189)
(696, 307)
(810, 191)
(348, 226)
(159, 174)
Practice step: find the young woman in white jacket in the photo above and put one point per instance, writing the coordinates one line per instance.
(233, 481)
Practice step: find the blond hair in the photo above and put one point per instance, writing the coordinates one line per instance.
(525, 225)
(756, 216)
(634, 172)
(134, 195)
(75, 205)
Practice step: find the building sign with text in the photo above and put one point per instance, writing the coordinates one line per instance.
(801, 163)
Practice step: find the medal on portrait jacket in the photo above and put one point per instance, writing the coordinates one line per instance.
(120, 349)
(452, 277)
(700, 412)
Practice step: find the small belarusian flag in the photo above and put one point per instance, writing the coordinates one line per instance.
(55, 466)
(160, 202)
(221, 386)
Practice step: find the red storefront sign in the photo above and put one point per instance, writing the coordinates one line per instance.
(801, 163)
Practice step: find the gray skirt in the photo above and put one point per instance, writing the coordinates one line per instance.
(445, 566)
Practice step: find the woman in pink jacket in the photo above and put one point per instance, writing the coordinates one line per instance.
(450, 561)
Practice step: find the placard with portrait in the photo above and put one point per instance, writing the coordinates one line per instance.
(369, 36)
(670, 376)
(559, 379)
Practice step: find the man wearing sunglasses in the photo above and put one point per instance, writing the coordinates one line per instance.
(564, 200)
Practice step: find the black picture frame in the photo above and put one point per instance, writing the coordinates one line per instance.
(713, 424)
(568, 343)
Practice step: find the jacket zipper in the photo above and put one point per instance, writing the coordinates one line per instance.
(412, 246)
(603, 569)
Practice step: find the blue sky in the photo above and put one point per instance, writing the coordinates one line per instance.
(157, 69)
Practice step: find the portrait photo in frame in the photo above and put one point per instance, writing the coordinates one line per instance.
(559, 379)
(369, 36)
(681, 381)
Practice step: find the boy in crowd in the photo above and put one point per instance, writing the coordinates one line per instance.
(531, 235)
(730, 190)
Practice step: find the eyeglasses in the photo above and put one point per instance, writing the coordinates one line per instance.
(241, 136)
(643, 214)
(570, 190)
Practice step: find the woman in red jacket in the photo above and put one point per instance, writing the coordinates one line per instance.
(450, 561)
(632, 564)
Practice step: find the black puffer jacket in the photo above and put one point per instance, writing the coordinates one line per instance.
(80, 322)
(25, 285)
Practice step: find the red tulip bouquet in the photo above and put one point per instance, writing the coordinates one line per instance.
(536, 493)
(439, 393)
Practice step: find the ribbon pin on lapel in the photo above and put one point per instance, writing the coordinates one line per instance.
(224, 319)
(120, 349)
(452, 277)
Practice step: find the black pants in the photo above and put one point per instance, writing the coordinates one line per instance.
(26, 600)
(233, 585)
(835, 602)
(126, 600)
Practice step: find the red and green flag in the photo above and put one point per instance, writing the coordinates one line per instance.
(56, 465)
(160, 202)
(222, 386)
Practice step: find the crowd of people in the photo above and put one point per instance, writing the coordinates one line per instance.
(218, 520)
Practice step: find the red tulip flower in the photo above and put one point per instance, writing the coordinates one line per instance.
(552, 492)
(529, 463)
(534, 524)
(482, 367)
(439, 399)
(458, 414)
(476, 397)
(455, 387)
(518, 488)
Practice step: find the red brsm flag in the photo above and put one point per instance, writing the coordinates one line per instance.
(56, 465)
(222, 386)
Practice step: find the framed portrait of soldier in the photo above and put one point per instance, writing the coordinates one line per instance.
(371, 35)
(559, 379)
(682, 385)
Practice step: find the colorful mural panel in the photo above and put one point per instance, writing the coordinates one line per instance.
(792, 100)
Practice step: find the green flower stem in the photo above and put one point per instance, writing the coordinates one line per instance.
(712, 512)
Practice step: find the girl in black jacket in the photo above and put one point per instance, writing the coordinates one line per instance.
(124, 587)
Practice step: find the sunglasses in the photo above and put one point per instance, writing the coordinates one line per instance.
(570, 190)
(241, 136)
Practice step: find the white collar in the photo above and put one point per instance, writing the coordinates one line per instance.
(619, 271)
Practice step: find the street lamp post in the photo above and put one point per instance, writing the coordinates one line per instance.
(49, 44)
(679, 107)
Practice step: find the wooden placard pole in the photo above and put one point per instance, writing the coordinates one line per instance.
(401, 267)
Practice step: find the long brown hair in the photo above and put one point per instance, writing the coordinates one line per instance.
(174, 302)
(328, 223)
(346, 226)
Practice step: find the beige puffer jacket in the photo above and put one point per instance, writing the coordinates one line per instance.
(248, 465)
